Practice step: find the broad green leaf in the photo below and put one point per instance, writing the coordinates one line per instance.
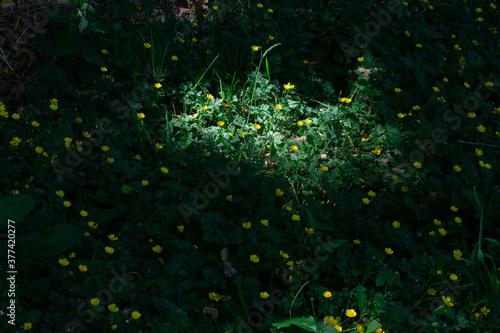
(15, 208)
(362, 298)
(373, 326)
(493, 241)
(126, 189)
(308, 324)
(63, 237)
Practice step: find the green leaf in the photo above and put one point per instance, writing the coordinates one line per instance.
(408, 61)
(308, 324)
(373, 326)
(126, 189)
(492, 241)
(92, 56)
(362, 298)
(63, 237)
(310, 217)
(15, 208)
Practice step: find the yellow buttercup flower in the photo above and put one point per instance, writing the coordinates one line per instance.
(443, 231)
(350, 313)
(447, 300)
(95, 301)
(481, 128)
(366, 201)
(389, 251)
(136, 315)
(279, 192)
(264, 295)
(356, 241)
(256, 48)
(294, 147)
(289, 86)
(64, 262)
(158, 85)
(396, 224)
(147, 45)
(246, 225)
(254, 258)
(180, 228)
(257, 126)
(157, 248)
(265, 222)
(82, 268)
(296, 217)
(113, 308)
(109, 250)
(431, 292)
(327, 294)
(174, 58)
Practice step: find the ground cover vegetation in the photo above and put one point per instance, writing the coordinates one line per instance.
(273, 166)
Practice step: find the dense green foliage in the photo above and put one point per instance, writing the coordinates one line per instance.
(283, 166)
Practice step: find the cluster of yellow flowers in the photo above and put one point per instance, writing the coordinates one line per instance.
(216, 297)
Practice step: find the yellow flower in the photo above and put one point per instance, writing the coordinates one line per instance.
(401, 115)
(407, 33)
(360, 328)
(164, 170)
(481, 128)
(254, 258)
(110, 160)
(144, 183)
(34, 124)
(309, 231)
(279, 107)
(271, 37)
(27, 326)
(461, 62)
(419, 46)
(442, 231)
(472, 115)
(256, 48)
(229, 198)
(457, 254)
(389, 251)
(210, 96)
(289, 86)
(279, 192)
(432, 233)
(293, 147)
(447, 300)
(215, 7)
(489, 84)
(174, 58)
(220, 123)
(300, 123)
(457, 168)
(112, 237)
(95, 301)
(243, 134)
(445, 79)
(158, 85)
(436, 89)
(270, 10)
(136, 315)
(39, 150)
(60, 193)
(431, 292)
(324, 168)
(366, 201)
(376, 151)
(350, 313)
(260, 5)
(180, 228)
(246, 225)
(157, 248)
(296, 217)
(485, 311)
(265, 222)
(453, 277)
(457, 48)
(417, 165)
(480, 19)
(67, 204)
(396, 224)
(113, 308)
(356, 241)
(16, 116)
(64, 262)
(257, 126)
(109, 249)
(327, 294)
(361, 59)
(466, 85)
(308, 121)
(264, 295)
(372, 194)
(82, 268)
(147, 45)
(104, 69)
